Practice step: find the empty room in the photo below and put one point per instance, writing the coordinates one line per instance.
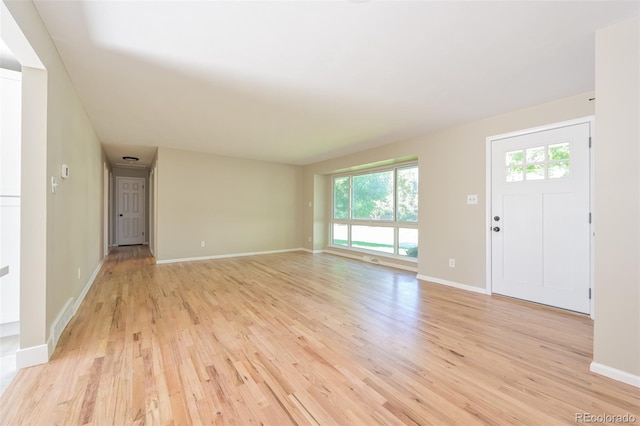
(319, 212)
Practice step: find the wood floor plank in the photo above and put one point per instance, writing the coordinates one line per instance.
(300, 339)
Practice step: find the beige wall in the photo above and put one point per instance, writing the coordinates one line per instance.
(71, 235)
(617, 200)
(236, 206)
(452, 165)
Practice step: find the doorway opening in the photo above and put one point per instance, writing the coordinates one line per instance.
(10, 210)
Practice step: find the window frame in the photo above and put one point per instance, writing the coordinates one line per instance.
(380, 223)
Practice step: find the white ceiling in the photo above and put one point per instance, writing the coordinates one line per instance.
(298, 82)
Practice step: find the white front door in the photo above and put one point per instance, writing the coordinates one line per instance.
(130, 208)
(540, 217)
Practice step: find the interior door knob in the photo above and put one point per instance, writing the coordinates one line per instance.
(496, 229)
(120, 214)
(496, 218)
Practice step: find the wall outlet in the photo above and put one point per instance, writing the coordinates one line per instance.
(309, 239)
(202, 244)
(452, 263)
(472, 199)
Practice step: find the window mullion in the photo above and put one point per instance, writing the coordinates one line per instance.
(395, 193)
(396, 242)
(350, 198)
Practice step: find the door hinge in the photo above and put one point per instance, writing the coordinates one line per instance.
(589, 294)
(589, 217)
(589, 141)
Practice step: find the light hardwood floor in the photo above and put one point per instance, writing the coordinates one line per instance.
(303, 339)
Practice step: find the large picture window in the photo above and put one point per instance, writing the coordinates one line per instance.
(377, 210)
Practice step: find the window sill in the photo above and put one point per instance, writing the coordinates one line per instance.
(373, 253)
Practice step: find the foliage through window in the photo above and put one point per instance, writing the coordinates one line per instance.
(377, 210)
(538, 163)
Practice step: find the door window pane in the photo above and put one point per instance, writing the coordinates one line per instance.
(558, 169)
(407, 189)
(535, 155)
(559, 151)
(514, 158)
(535, 172)
(514, 173)
(559, 160)
(373, 196)
(372, 238)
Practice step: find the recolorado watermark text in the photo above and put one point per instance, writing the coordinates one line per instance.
(606, 418)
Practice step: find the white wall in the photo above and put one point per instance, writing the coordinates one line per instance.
(617, 203)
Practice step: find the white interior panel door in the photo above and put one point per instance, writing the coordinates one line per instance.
(540, 217)
(130, 210)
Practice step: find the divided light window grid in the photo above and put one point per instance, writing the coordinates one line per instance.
(377, 210)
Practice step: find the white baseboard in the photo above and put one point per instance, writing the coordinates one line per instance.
(68, 311)
(34, 355)
(453, 284)
(311, 251)
(59, 324)
(87, 286)
(224, 256)
(615, 374)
